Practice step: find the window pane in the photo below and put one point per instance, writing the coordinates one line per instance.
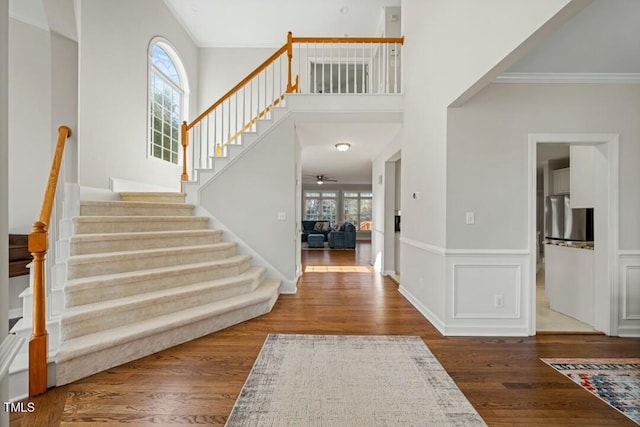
(312, 195)
(365, 214)
(329, 195)
(312, 209)
(163, 62)
(369, 195)
(350, 194)
(351, 211)
(329, 210)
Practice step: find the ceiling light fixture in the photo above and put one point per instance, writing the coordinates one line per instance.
(344, 10)
(343, 146)
(319, 181)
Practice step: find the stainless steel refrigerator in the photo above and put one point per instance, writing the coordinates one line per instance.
(564, 223)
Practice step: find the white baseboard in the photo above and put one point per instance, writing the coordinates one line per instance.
(428, 314)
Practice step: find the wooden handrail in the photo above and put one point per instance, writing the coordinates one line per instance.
(243, 82)
(38, 238)
(399, 40)
(290, 88)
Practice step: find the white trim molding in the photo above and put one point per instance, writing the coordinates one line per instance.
(607, 290)
(629, 264)
(590, 78)
(428, 314)
(436, 250)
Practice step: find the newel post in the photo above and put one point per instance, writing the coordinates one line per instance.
(185, 143)
(289, 57)
(38, 344)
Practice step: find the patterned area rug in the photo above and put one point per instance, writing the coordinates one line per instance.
(337, 380)
(615, 381)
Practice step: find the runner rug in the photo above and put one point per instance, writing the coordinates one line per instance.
(337, 380)
(615, 381)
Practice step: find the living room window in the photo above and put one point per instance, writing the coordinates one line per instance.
(320, 205)
(357, 208)
(167, 87)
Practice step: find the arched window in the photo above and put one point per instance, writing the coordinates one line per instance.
(167, 93)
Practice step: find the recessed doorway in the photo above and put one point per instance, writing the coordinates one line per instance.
(599, 297)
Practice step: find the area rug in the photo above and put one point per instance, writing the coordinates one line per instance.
(615, 381)
(338, 380)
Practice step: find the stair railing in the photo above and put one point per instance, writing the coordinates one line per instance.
(38, 245)
(344, 65)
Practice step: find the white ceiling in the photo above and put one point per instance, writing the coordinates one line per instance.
(261, 23)
(320, 157)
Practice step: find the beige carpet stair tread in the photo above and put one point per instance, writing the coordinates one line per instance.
(84, 244)
(88, 311)
(118, 207)
(101, 316)
(118, 262)
(155, 273)
(80, 346)
(123, 224)
(153, 196)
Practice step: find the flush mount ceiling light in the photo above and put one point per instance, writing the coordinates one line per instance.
(343, 146)
(344, 10)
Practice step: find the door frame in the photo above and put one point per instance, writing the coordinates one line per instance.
(609, 290)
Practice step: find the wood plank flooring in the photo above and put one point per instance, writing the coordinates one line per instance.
(198, 382)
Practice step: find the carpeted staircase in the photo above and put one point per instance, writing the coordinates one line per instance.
(145, 274)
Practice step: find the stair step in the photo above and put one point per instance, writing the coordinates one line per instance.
(113, 286)
(86, 355)
(91, 318)
(84, 244)
(79, 266)
(127, 224)
(152, 197)
(130, 208)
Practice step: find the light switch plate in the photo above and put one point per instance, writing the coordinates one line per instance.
(282, 216)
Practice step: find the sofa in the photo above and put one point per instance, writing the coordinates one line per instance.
(344, 237)
(310, 227)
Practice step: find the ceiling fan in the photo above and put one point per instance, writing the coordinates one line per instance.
(321, 179)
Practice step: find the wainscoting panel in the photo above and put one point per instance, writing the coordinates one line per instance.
(486, 291)
(629, 321)
(489, 292)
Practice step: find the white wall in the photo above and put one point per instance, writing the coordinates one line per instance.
(4, 196)
(30, 133)
(384, 199)
(487, 37)
(487, 164)
(114, 41)
(223, 68)
(487, 171)
(248, 194)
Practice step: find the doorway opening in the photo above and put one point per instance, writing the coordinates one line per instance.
(586, 179)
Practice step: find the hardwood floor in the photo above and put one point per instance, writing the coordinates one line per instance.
(198, 382)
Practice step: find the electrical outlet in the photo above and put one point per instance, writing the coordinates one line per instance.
(471, 218)
(498, 301)
(282, 216)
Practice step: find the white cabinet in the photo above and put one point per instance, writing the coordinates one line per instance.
(582, 180)
(561, 181)
(569, 281)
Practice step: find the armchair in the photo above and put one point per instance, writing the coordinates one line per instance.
(344, 238)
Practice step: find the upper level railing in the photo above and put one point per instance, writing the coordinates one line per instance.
(38, 245)
(345, 65)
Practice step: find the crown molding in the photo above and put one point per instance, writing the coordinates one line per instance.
(598, 78)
